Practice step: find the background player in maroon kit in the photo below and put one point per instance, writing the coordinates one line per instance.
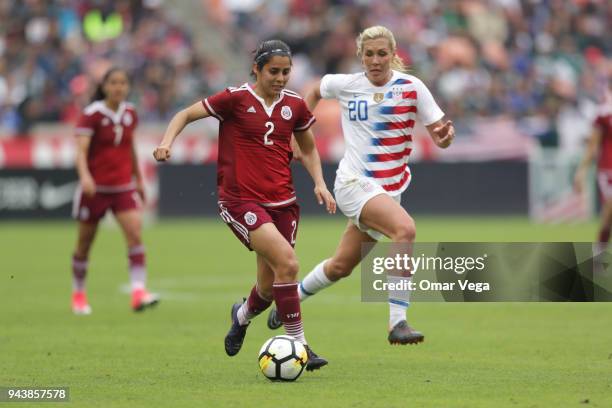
(256, 196)
(109, 178)
(600, 147)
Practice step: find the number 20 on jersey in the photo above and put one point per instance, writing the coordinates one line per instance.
(358, 110)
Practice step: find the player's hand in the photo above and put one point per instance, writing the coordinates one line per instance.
(161, 153)
(325, 197)
(88, 186)
(444, 134)
(140, 189)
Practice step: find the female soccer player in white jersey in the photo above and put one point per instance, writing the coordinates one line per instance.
(379, 108)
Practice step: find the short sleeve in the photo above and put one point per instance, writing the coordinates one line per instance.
(332, 84)
(219, 105)
(85, 125)
(428, 110)
(305, 118)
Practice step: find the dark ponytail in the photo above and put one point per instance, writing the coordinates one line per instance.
(268, 49)
(99, 94)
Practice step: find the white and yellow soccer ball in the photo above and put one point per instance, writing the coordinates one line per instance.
(282, 358)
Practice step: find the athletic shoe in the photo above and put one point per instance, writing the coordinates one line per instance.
(314, 361)
(141, 300)
(79, 304)
(402, 333)
(273, 321)
(236, 333)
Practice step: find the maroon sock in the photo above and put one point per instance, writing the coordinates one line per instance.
(604, 235)
(288, 309)
(79, 271)
(256, 304)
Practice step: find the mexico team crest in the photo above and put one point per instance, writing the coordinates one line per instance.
(378, 97)
(250, 218)
(286, 112)
(127, 119)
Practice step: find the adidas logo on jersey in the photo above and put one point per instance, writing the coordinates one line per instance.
(251, 110)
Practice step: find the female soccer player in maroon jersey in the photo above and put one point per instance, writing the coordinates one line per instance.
(256, 196)
(109, 179)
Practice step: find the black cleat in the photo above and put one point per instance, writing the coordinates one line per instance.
(314, 362)
(236, 333)
(402, 333)
(273, 321)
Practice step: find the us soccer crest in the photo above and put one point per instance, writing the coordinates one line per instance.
(286, 112)
(378, 97)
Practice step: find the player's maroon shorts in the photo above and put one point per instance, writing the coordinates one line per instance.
(243, 217)
(92, 209)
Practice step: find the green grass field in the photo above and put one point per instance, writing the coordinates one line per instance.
(475, 354)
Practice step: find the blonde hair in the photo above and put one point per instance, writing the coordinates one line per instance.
(374, 32)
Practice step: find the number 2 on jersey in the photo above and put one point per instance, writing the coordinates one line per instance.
(267, 141)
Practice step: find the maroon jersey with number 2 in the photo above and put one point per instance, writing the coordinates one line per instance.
(254, 144)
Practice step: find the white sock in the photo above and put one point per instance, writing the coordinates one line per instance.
(138, 277)
(399, 300)
(315, 281)
(137, 267)
(296, 330)
(243, 314)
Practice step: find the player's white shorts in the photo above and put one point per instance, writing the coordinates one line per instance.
(604, 181)
(351, 196)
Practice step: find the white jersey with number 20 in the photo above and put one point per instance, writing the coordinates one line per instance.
(378, 124)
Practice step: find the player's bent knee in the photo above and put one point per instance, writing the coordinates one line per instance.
(287, 270)
(405, 232)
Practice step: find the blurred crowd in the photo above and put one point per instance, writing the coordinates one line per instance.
(542, 62)
(53, 53)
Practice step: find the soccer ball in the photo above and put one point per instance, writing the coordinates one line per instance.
(282, 358)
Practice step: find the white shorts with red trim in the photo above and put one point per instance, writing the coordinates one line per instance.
(352, 194)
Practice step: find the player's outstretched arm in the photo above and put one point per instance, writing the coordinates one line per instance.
(313, 96)
(311, 160)
(88, 185)
(442, 133)
(589, 155)
(176, 125)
